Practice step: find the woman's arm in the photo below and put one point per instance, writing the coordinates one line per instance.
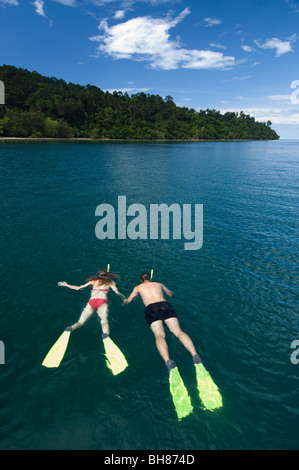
(65, 284)
(115, 289)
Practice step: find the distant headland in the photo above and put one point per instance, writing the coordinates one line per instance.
(41, 107)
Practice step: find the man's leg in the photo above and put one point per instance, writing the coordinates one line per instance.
(158, 330)
(174, 326)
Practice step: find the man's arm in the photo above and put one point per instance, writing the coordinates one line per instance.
(134, 294)
(167, 291)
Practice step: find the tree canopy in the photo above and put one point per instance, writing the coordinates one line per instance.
(38, 106)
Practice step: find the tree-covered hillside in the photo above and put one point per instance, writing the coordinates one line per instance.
(37, 106)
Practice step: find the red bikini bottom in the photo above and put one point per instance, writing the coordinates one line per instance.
(96, 303)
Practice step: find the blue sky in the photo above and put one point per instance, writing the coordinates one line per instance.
(228, 55)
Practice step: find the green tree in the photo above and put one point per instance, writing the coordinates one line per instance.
(50, 107)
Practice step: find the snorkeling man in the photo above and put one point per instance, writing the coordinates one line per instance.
(159, 311)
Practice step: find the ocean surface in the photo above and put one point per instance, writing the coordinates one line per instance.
(236, 296)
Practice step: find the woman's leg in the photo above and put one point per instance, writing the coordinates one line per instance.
(85, 315)
(103, 316)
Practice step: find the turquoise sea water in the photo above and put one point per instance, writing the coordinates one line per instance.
(236, 296)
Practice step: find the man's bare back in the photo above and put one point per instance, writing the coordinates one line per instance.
(150, 292)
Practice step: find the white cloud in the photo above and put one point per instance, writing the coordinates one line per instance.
(246, 77)
(293, 38)
(248, 48)
(130, 3)
(279, 98)
(207, 60)
(9, 2)
(282, 47)
(148, 39)
(212, 21)
(275, 115)
(68, 3)
(39, 8)
(294, 5)
(129, 90)
(119, 14)
(152, 2)
(217, 46)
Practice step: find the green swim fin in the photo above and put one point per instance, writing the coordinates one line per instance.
(179, 394)
(208, 390)
(56, 353)
(116, 361)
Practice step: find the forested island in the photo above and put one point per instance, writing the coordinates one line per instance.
(47, 107)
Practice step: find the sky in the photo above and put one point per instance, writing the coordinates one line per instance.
(233, 55)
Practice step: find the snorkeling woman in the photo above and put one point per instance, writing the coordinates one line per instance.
(101, 283)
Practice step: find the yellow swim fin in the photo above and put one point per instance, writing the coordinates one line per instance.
(56, 353)
(116, 361)
(179, 394)
(208, 390)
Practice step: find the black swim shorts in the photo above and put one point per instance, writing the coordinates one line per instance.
(159, 311)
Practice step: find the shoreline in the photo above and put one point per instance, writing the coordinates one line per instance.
(89, 139)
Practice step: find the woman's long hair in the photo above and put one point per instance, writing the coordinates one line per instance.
(102, 277)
